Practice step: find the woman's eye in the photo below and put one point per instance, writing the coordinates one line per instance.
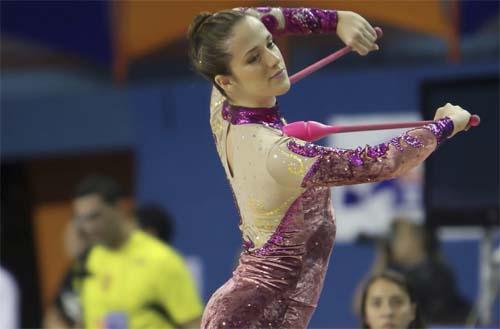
(397, 302)
(270, 45)
(253, 59)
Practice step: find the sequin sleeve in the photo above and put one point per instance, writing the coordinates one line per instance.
(283, 21)
(327, 166)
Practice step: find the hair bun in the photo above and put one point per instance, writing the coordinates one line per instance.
(197, 23)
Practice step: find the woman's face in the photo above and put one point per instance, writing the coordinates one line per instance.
(258, 70)
(388, 306)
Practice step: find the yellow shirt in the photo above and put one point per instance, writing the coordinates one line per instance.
(143, 284)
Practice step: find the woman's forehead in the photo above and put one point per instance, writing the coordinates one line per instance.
(385, 287)
(247, 34)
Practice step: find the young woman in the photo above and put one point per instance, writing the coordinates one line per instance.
(388, 302)
(414, 252)
(282, 185)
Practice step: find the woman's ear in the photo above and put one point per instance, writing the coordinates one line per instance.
(224, 82)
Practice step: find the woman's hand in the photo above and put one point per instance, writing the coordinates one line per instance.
(356, 32)
(458, 115)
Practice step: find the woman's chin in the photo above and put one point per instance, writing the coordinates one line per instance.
(284, 87)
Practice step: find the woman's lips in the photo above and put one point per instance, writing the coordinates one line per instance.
(278, 74)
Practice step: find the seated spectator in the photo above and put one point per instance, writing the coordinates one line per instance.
(388, 301)
(154, 220)
(414, 251)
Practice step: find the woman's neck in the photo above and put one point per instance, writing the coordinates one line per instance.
(253, 102)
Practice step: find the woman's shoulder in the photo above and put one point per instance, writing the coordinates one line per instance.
(256, 132)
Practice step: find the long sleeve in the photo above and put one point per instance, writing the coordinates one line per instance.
(326, 166)
(283, 21)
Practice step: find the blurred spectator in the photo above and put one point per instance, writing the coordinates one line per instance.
(127, 278)
(388, 301)
(75, 241)
(154, 220)
(9, 302)
(414, 251)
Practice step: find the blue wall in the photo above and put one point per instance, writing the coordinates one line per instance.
(167, 126)
(60, 112)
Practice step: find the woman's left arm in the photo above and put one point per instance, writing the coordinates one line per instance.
(292, 162)
(351, 28)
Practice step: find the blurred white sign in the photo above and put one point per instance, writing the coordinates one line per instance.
(370, 208)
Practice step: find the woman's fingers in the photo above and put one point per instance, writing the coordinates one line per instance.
(360, 49)
(356, 32)
(364, 43)
(371, 36)
(371, 31)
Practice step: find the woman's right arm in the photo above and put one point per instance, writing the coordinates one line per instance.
(351, 28)
(283, 21)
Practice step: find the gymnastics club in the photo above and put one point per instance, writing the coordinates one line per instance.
(327, 60)
(312, 130)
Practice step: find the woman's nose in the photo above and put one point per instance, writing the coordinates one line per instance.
(272, 58)
(387, 310)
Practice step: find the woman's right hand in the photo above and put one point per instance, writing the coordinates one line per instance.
(356, 32)
(458, 115)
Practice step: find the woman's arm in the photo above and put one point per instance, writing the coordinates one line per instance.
(326, 166)
(351, 28)
(295, 163)
(282, 21)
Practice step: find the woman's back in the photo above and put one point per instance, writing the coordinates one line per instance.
(248, 152)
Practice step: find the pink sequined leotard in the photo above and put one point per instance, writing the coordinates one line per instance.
(281, 187)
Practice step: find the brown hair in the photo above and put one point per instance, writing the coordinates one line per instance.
(207, 35)
(401, 282)
(106, 187)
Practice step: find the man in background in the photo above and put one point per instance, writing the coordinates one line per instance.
(127, 278)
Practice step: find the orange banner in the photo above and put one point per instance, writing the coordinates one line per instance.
(143, 26)
(50, 222)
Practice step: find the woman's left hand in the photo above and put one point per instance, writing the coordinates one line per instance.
(356, 32)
